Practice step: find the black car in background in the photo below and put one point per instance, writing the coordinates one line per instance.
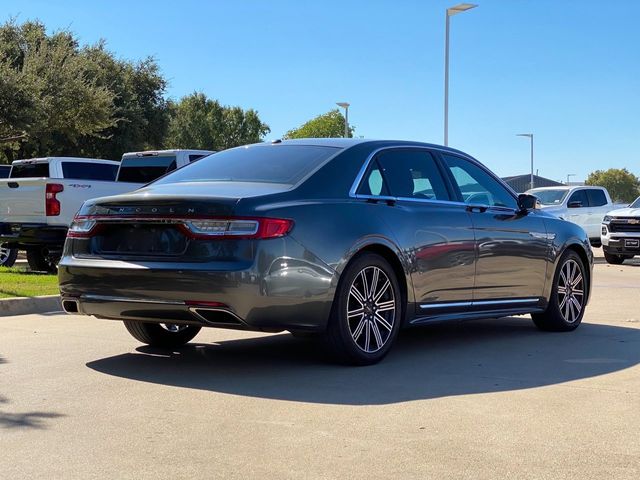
(347, 239)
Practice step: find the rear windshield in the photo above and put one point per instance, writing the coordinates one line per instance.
(145, 169)
(89, 171)
(30, 170)
(284, 164)
(4, 171)
(550, 197)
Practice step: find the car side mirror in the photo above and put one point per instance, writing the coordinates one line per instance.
(575, 204)
(528, 202)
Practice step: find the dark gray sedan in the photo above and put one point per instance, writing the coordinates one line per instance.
(350, 240)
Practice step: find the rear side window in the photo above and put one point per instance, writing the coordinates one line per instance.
(578, 199)
(89, 171)
(194, 157)
(4, 171)
(283, 164)
(145, 169)
(373, 183)
(30, 170)
(412, 173)
(597, 198)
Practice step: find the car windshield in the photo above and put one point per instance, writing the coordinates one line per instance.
(636, 203)
(550, 197)
(145, 169)
(283, 164)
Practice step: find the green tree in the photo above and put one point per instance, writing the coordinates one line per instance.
(58, 102)
(623, 186)
(200, 122)
(327, 125)
(58, 98)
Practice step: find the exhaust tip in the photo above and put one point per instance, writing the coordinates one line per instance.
(217, 316)
(71, 306)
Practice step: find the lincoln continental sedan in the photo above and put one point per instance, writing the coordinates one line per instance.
(342, 239)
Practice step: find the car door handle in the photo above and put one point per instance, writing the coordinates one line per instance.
(477, 208)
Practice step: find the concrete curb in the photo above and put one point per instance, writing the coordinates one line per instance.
(29, 305)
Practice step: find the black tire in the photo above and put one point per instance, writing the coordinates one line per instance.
(568, 296)
(160, 335)
(8, 256)
(614, 259)
(350, 338)
(39, 262)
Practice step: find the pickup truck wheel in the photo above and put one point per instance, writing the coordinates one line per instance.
(568, 296)
(8, 256)
(165, 335)
(614, 259)
(39, 262)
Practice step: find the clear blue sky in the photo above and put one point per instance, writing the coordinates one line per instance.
(568, 71)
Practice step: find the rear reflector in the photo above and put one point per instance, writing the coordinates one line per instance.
(51, 203)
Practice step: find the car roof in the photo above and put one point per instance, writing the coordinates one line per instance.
(350, 142)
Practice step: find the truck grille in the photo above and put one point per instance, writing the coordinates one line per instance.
(625, 225)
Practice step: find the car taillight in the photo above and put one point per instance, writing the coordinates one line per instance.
(51, 203)
(260, 228)
(81, 227)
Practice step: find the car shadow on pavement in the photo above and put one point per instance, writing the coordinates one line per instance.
(428, 362)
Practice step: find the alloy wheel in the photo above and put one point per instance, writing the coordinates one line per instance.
(173, 328)
(570, 291)
(4, 254)
(371, 309)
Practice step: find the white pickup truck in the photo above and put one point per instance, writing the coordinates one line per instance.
(621, 233)
(583, 205)
(41, 196)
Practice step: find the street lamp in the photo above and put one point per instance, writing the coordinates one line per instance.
(570, 175)
(530, 136)
(462, 7)
(345, 105)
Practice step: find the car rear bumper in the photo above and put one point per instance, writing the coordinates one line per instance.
(30, 234)
(257, 297)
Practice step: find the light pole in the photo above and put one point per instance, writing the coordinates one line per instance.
(570, 175)
(462, 7)
(345, 105)
(530, 135)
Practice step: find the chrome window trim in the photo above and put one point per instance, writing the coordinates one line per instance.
(515, 301)
(360, 176)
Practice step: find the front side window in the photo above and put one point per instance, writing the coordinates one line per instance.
(477, 187)
(596, 198)
(578, 199)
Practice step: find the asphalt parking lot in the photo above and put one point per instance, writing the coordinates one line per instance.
(79, 398)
